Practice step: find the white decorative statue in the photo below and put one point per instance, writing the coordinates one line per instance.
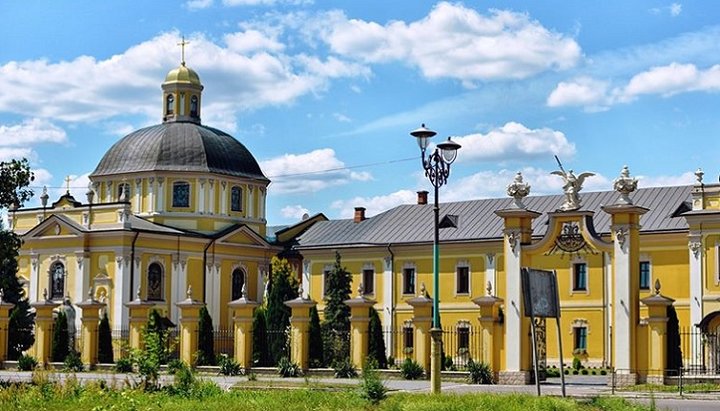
(572, 186)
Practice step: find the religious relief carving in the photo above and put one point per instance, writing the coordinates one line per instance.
(570, 241)
(695, 247)
(625, 185)
(572, 185)
(518, 190)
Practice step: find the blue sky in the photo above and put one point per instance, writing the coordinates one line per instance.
(325, 93)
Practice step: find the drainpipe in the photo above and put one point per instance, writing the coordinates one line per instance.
(132, 264)
(205, 268)
(390, 343)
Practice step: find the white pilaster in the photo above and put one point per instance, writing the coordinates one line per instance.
(109, 197)
(261, 203)
(161, 195)
(214, 307)
(201, 195)
(621, 302)
(137, 277)
(513, 315)
(121, 292)
(490, 273)
(388, 304)
(211, 207)
(306, 283)
(82, 281)
(250, 202)
(695, 250)
(607, 292)
(138, 195)
(179, 282)
(34, 277)
(223, 198)
(151, 195)
(209, 285)
(261, 279)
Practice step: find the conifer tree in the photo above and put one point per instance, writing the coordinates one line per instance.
(336, 325)
(61, 338)
(105, 348)
(283, 287)
(376, 343)
(316, 342)
(206, 349)
(15, 177)
(261, 355)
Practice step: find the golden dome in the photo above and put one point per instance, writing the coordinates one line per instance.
(183, 74)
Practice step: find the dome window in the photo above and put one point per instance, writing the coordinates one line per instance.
(155, 282)
(193, 106)
(57, 280)
(236, 198)
(238, 280)
(181, 194)
(170, 104)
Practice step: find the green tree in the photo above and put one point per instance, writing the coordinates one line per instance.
(674, 352)
(316, 342)
(336, 324)
(105, 348)
(261, 355)
(15, 177)
(206, 349)
(376, 343)
(283, 287)
(61, 338)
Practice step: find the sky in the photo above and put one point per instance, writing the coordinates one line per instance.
(324, 94)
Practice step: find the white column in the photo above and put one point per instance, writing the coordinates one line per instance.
(250, 202)
(389, 304)
(34, 277)
(151, 195)
(513, 298)
(306, 283)
(161, 195)
(209, 285)
(490, 273)
(138, 195)
(621, 302)
(120, 291)
(82, 281)
(607, 272)
(695, 250)
(214, 308)
(211, 207)
(223, 198)
(109, 197)
(261, 203)
(179, 288)
(201, 195)
(261, 276)
(137, 276)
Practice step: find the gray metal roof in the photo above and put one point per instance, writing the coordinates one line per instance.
(179, 146)
(413, 223)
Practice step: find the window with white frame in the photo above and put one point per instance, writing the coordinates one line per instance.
(236, 201)
(57, 280)
(579, 276)
(155, 282)
(644, 275)
(368, 280)
(579, 338)
(408, 338)
(238, 281)
(181, 194)
(462, 279)
(409, 280)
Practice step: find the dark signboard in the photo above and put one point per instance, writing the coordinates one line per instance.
(540, 293)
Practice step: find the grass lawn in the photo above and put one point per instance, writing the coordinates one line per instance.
(71, 396)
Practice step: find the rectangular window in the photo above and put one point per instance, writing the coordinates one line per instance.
(580, 337)
(368, 281)
(463, 338)
(181, 195)
(463, 280)
(580, 277)
(644, 275)
(409, 281)
(408, 338)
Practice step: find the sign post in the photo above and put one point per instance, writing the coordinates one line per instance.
(541, 299)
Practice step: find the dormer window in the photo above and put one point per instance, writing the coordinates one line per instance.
(181, 194)
(170, 104)
(193, 106)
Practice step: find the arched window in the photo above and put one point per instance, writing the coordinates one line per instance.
(236, 199)
(193, 106)
(123, 188)
(57, 280)
(238, 280)
(170, 106)
(155, 282)
(181, 194)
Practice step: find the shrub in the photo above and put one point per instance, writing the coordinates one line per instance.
(61, 338)
(27, 362)
(411, 370)
(184, 379)
(480, 373)
(124, 365)
(575, 372)
(603, 372)
(287, 368)
(376, 340)
(371, 387)
(73, 362)
(576, 364)
(174, 365)
(337, 314)
(206, 349)
(584, 371)
(391, 361)
(448, 363)
(261, 356)
(228, 365)
(316, 342)
(105, 348)
(345, 369)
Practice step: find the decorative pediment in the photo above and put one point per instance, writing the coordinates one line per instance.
(55, 226)
(243, 235)
(571, 234)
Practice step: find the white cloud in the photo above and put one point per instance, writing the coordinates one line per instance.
(675, 9)
(9, 153)
(232, 3)
(514, 141)
(342, 118)
(251, 41)
(295, 212)
(78, 188)
(662, 181)
(31, 131)
(583, 91)
(309, 172)
(374, 205)
(453, 41)
(198, 4)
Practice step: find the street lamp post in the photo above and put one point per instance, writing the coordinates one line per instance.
(437, 169)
